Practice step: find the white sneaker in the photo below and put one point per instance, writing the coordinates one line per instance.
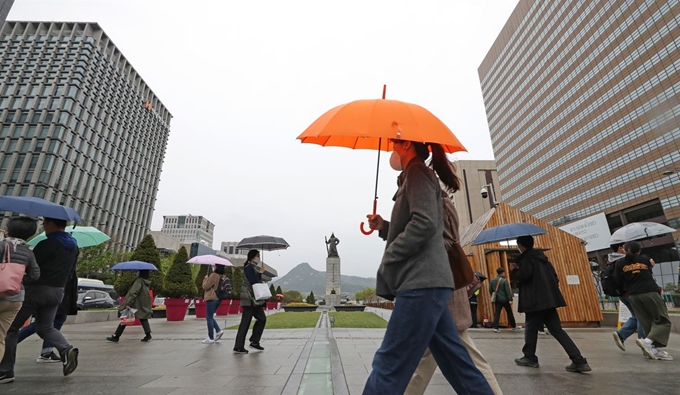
(208, 341)
(497, 330)
(218, 335)
(618, 341)
(661, 355)
(647, 349)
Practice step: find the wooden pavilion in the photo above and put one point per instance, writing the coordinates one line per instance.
(566, 252)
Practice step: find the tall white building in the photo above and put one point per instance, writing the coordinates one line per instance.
(229, 248)
(189, 229)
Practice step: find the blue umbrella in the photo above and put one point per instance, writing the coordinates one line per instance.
(133, 265)
(507, 232)
(38, 207)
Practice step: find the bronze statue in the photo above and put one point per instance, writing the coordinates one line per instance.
(331, 245)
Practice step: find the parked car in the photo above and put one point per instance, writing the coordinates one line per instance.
(94, 300)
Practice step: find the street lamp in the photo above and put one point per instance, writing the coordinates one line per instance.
(485, 193)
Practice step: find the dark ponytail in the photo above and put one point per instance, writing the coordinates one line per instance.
(441, 165)
(633, 249)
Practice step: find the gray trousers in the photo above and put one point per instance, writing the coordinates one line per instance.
(652, 314)
(42, 303)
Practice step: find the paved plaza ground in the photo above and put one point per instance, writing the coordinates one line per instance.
(316, 361)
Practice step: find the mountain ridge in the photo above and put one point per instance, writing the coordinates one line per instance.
(305, 279)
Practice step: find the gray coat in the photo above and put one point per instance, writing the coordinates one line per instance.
(415, 256)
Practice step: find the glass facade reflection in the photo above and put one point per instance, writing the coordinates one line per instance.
(79, 126)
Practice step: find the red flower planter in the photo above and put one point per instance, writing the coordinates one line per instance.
(224, 307)
(200, 308)
(271, 305)
(176, 309)
(136, 321)
(235, 306)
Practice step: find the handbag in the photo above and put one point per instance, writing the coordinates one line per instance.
(261, 292)
(460, 265)
(494, 294)
(11, 275)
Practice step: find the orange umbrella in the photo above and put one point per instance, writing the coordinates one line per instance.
(371, 124)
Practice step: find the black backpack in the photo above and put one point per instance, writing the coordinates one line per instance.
(223, 290)
(608, 280)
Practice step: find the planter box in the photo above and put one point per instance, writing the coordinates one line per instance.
(200, 307)
(349, 308)
(271, 305)
(235, 306)
(224, 307)
(300, 309)
(176, 309)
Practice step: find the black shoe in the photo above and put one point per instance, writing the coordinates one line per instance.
(113, 338)
(6, 377)
(578, 368)
(256, 346)
(147, 337)
(70, 360)
(240, 351)
(524, 361)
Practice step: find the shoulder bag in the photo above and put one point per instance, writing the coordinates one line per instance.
(11, 274)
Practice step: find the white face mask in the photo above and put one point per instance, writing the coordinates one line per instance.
(395, 161)
(256, 260)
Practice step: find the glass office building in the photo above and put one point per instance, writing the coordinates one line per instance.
(5, 6)
(583, 105)
(79, 126)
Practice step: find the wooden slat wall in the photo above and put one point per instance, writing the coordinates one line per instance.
(568, 255)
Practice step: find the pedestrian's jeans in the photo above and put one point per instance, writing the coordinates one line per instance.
(42, 303)
(30, 329)
(421, 319)
(210, 309)
(632, 324)
(535, 321)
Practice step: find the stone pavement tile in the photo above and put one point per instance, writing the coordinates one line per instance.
(318, 365)
(210, 381)
(272, 391)
(356, 389)
(285, 369)
(439, 389)
(351, 368)
(356, 378)
(262, 379)
(203, 391)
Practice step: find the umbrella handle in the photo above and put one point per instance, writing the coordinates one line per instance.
(361, 226)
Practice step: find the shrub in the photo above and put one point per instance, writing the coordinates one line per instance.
(273, 292)
(147, 251)
(237, 279)
(179, 282)
(202, 272)
(124, 282)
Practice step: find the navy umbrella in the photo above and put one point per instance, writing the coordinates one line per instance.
(134, 265)
(507, 232)
(38, 207)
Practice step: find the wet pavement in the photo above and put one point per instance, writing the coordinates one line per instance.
(316, 361)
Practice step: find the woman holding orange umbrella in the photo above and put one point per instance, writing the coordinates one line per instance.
(415, 273)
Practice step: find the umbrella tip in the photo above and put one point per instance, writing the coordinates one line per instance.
(384, 90)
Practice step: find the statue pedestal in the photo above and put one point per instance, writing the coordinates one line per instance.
(333, 292)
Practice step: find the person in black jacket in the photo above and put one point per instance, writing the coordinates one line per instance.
(56, 257)
(539, 298)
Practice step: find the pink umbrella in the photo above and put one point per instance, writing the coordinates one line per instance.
(210, 260)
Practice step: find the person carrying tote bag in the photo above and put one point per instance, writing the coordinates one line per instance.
(252, 308)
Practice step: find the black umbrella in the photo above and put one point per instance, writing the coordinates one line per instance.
(267, 243)
(480, 276)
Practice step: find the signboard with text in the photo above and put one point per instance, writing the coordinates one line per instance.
(593, 230)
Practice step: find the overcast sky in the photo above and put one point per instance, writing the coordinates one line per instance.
(243, 79)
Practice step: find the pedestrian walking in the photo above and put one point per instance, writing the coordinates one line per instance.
(415, 272)
(56, 256)
(634, 275)
(210, 284)
(13, 249)
(539, 298)
(473, 302)
(68, 306)
(501, 296)
(251, 307)
(137, 297)
(611, 288)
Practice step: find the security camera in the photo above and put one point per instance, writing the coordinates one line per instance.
(484, 193)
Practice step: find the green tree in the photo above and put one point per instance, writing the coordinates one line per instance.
(95, 262)
(124, 281)
(279, 291)
(292, 297)
(147, 251)
(179, 282)
(229, 272)
(202, 272)
(366, 294)
(237, 282)
(311, 299)
(273, 292)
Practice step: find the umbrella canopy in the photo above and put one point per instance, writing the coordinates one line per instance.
(372, 124)
(134, 265)
(86, 236)
(262, 242)
(639, 231)
(508, 232)
(210, 260)
(38, 207)
(480, 276)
